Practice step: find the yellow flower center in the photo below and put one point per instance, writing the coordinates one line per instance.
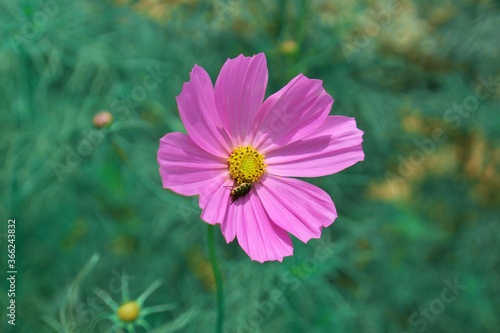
(246, 165)
(128, 311)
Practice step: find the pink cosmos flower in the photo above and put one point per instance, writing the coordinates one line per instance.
(240, 153)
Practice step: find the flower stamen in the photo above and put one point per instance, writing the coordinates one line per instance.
(246, 165)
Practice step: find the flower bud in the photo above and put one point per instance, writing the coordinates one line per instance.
(102, 119)
(128, 311)
(288, 47)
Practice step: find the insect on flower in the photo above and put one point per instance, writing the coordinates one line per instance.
(260, 145)
(240, 190)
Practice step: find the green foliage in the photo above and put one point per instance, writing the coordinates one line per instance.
(419, 213)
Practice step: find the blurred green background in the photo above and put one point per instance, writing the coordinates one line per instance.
(415, 247)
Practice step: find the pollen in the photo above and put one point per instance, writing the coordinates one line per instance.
(246, 165)
(128, 311)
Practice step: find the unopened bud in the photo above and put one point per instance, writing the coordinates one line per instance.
(288, 47)
(129, 311)
(102, 119)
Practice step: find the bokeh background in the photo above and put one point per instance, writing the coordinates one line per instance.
(415, 247)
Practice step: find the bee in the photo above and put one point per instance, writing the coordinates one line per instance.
(240, 190)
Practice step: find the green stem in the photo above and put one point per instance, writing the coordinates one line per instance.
(218, 278)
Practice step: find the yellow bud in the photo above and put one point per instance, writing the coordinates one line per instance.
(288, 47)
(128, 311)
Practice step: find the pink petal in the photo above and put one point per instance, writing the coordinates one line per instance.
(261, 239)
(185, 168)
(233, 218)
(335, 146)
(239, 92)
(199, 114)
(292, 113)
(233, 215)
(215, 199)
(298, 207)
